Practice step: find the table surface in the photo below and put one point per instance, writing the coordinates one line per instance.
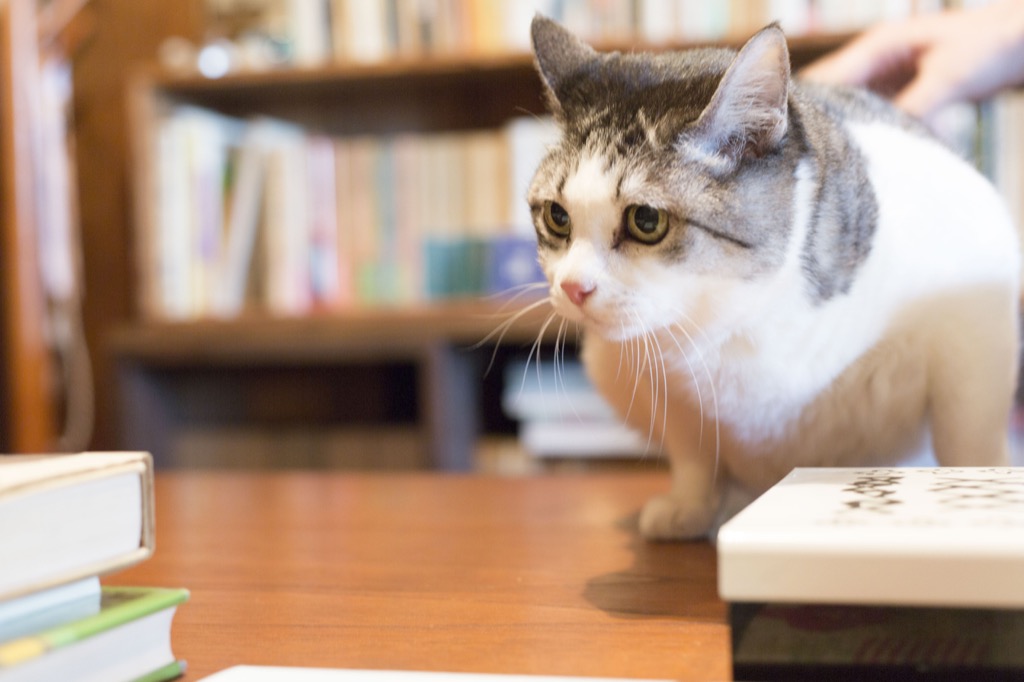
(543, 575)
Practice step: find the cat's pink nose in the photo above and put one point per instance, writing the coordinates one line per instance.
(577, 292)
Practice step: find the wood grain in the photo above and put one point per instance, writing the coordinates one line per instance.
(26, 372)
(426, 572)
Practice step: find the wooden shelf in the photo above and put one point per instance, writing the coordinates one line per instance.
(435, 92)
(397, 96)
(364, 333)
(174, 376)
(294, 80)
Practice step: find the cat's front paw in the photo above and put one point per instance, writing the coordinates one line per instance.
(669, 517)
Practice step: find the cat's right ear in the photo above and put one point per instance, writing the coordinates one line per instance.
(560, 55)
(748, 114)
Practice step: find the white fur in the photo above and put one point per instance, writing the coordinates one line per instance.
(761, 378)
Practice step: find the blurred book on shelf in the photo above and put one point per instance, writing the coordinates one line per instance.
(265, 215)
(264, 33)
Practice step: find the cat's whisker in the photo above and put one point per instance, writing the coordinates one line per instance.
(506, 324)
(622, 351)
(696, 385)
(535, 348)
(653, 379)
(664, 408)
(559, 359)
(512, 294)
(711, 382)
(648, 360)
(532, 114)
(637, 369)
(660, 380)
(502, 329)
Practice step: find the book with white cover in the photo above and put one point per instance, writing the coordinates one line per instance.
(257, 673)
(949, 537)
(68, 517)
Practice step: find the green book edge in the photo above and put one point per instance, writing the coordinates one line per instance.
(120, 605)
(167, 672)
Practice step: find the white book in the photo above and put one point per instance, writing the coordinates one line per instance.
(309, 26)
(593, 440)
(528, 139)
(172, 243)
(365, 34)
(927, 536)
(543, 391)
(64, 518)
(517, 15)
(657, 21)
(256, 673)
(242, 224)
(287, 235)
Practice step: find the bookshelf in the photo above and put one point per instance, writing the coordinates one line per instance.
(177, 375)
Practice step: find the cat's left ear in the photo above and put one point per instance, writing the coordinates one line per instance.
(748, 114)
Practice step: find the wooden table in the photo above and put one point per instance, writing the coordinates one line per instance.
(453, 573)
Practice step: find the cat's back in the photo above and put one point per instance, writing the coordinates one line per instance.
(939, 222)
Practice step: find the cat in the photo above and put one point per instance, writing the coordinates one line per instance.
(768, 273)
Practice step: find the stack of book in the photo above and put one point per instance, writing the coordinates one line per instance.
(561, 416)
(878, 573)
(66, 520)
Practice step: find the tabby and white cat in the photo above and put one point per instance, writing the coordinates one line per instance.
(770, 274)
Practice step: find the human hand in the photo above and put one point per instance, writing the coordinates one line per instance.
(928, 61)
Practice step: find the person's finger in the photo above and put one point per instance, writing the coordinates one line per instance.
(925, 94)
(875, 56)
(851, 65)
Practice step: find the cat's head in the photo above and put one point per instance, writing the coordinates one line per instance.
(669, 194)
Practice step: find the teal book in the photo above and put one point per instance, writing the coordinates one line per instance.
(128, 640)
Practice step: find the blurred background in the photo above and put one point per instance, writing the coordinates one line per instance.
(291, 233)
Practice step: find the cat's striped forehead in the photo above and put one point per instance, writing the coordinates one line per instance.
(613, 134)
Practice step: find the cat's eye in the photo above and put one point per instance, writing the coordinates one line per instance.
(557, 219)
(646, 224)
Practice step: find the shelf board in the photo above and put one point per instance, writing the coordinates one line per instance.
(408, 93)
(400, 68)
(357, 334)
